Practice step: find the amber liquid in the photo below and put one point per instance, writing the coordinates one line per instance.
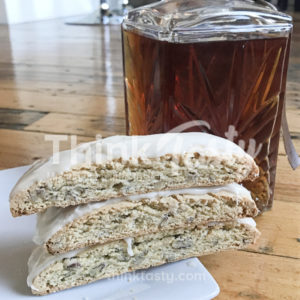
(237, 85)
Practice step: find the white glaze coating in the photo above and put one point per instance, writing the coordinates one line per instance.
(248, 221)
(129, 246)
(40, 259)
(55, 218)
(125, 147)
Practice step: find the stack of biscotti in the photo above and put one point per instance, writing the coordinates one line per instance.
(126, 203)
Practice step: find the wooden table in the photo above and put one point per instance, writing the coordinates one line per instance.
(59, 79)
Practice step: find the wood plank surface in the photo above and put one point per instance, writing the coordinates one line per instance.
(287, 181)
(66, 86)
(293, 115)
(42, 101)
(78, 124)
(19, 148)
(17, 118)
(296, 142)
(243, 275)
(279, 237)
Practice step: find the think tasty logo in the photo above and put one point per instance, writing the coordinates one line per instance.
(253, 149)
(87, 153)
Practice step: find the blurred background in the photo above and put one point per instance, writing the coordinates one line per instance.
(19, 11)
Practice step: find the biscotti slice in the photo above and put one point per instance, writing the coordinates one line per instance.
(128, 165)
(66, 229)
(50, 273)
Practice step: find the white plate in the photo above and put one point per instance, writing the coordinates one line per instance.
(186, 279)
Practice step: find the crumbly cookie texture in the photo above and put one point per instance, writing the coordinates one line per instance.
(111, 259)
(120, 177)
(148, 215)
(260, 190)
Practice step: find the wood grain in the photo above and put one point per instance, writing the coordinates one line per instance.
(243, 275)
(279, 237)
(66, 86)
(18, 119)
(78, 124)
(293, 115)
(18, 148)
(43, 101)
(296, 142)
(287, 181)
